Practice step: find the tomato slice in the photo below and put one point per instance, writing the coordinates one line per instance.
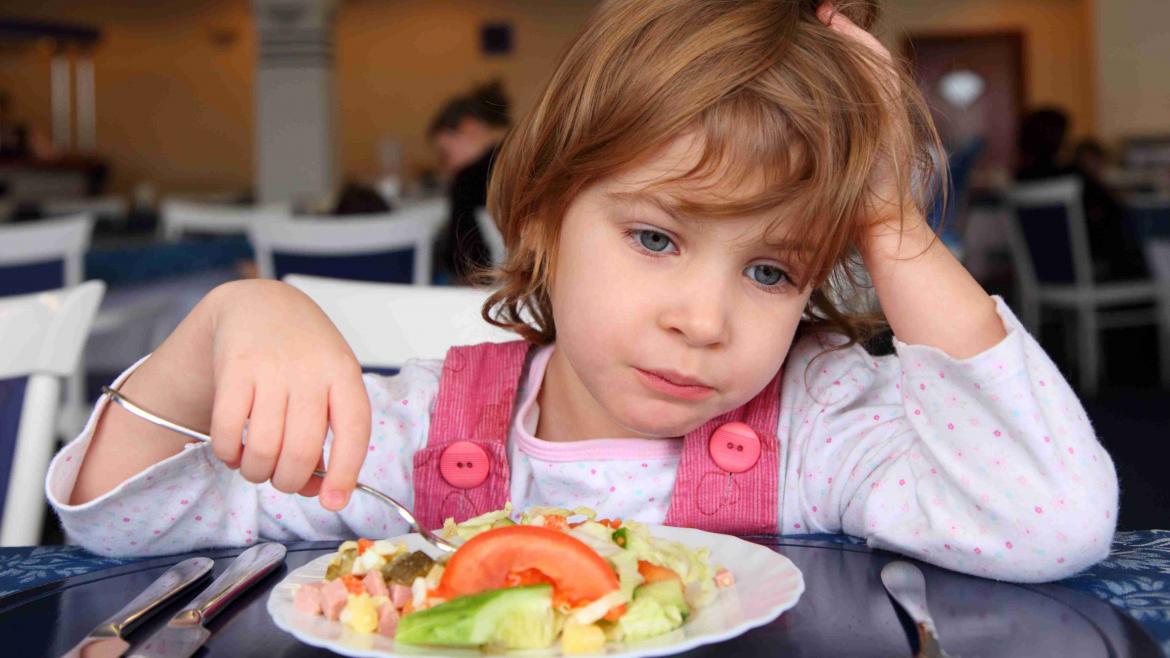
(499, 557)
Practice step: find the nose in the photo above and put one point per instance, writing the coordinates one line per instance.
(698, 310)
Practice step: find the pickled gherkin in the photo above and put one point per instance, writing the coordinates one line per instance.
(341, 566)
(408, 567)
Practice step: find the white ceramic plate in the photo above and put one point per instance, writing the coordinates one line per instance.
(766, 584)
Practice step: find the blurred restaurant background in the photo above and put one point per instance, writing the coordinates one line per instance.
(164, 148)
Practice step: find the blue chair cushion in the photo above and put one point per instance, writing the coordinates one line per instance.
(1046, 233)
(381, 267)
(11, 404)
(130, 265)
(32, 277)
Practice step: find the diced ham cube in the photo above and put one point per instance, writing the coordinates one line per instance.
(308, 599)
(387, 619)
(724, 578)
(334, 596)
(400, 595)
(375, 585)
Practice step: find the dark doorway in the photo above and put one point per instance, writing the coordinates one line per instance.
(974, 84)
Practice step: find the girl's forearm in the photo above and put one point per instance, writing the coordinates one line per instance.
(177, 383)
(928, 297)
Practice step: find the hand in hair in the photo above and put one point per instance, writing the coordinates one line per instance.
(925, 293)
(891, 204)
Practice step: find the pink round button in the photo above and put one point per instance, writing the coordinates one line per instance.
(735, 447)
(464, 465)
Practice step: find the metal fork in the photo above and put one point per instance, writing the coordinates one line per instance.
(434, 539)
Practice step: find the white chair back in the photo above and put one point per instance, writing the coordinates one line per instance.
(387, 324)
(178, 217)
(1062, 244)
(109, 205)
(43, 335)
(491, 235)
(414, 228)
(65, 238)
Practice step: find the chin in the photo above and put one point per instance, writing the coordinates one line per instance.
(663, 419)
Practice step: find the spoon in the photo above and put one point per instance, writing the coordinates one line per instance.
(906, 584)
(434, 539)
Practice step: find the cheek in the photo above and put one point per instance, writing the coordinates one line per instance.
(759, 359)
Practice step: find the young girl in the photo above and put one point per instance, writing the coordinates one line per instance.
(674, 207)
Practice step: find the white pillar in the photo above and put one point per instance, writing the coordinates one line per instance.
(60, 102)
(86, 112)
(295, 145)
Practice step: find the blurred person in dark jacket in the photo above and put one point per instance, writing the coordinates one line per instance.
(1112, 245)
(467, 133)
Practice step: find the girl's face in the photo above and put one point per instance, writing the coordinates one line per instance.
(664, 322)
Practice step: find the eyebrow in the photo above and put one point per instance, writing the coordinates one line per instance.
(646, 197)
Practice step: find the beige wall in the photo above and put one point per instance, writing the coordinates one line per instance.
(1132, 59)
(174, 101)
(1057, 52)
(396, 67)
(175, 79)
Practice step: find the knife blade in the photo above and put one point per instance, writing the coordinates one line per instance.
(186, 631)
(106, 640)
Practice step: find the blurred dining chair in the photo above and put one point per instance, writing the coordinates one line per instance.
(388, 324)
(110, 205)
(1158, 258)
(394, 247)
(48, 254)
(180, 217)
(491, 236)
(1050, 246)
(43, 334)
(44, 254)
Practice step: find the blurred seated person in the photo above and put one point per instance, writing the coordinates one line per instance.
(358, 199)
(466, 134)
(1112, 246)
(13, 134)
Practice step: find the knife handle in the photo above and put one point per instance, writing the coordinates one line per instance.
(251, 565)
(173, 581)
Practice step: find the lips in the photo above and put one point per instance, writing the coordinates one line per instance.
(676, 378)
(674, 384)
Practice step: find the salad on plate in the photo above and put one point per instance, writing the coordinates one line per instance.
(552, 575)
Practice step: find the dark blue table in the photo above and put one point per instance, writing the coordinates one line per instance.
(51, 596)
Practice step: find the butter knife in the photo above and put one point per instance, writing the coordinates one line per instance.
(907, 586)
(106, 640)
(186, 631)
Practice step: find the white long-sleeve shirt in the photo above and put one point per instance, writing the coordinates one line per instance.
(986, 465)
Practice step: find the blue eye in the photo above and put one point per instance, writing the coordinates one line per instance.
(653, 241)
(766, 275)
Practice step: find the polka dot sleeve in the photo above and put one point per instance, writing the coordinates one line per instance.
(191, 500)
(986, 465)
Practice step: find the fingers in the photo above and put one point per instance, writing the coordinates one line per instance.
(304, 434)
(312, 488)
(349, 416)
(839, 22)
(265, 430)
(229, 411)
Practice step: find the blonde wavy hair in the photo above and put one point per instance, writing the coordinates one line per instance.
(773, 92)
